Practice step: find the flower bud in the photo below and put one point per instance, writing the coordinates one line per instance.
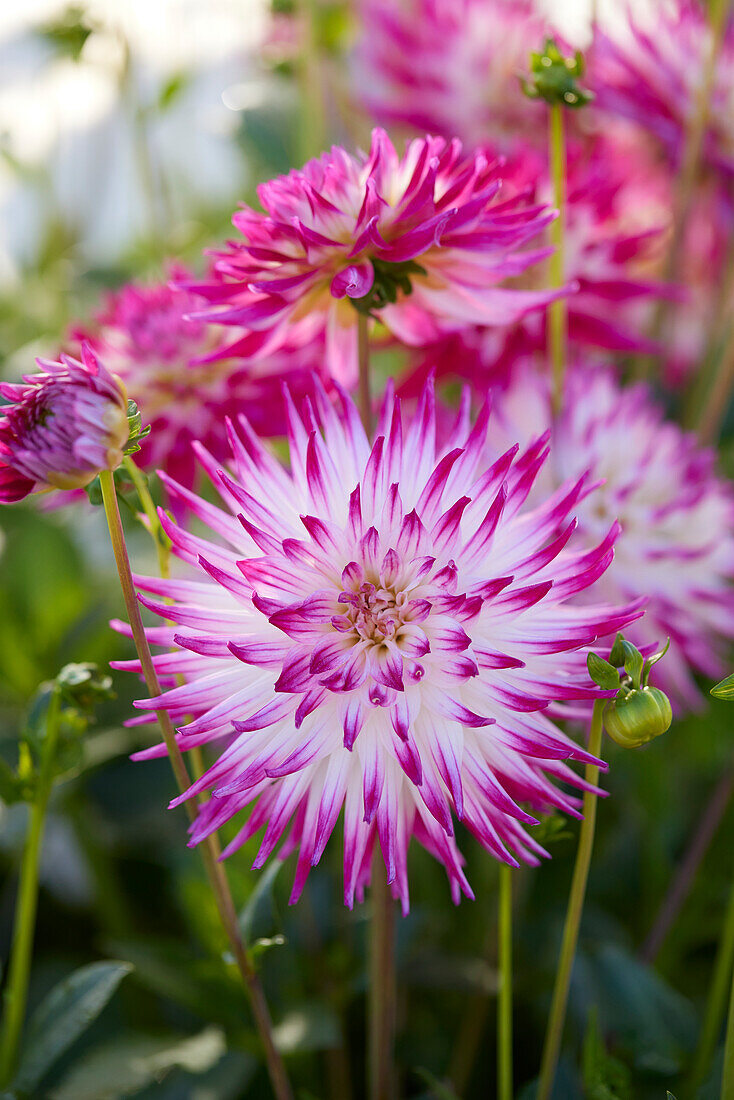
(62, 427)
(636, 717)
(553, 78)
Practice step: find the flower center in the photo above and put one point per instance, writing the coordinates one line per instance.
(374, 614)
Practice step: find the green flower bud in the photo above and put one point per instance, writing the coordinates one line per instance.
(635, 717)
(554, 77)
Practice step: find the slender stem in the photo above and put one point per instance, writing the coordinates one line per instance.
(716, 1003)
(688, 868)
(717, 399)
(504, 1004)
(157, 533)
(16, 991)
(727, 1075)
(381, 1024)
(209, 848)
(363, 351)
(558, 310)
(557, 1017)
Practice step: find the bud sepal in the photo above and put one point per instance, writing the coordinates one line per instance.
(638, 713)
(554, 77)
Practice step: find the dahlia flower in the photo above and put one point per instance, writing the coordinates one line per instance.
(618, 213)
(651, 73)
(145, 334)
(61, 427)
(676, 546)
(449, 66)
(382, 629)
(422, 239)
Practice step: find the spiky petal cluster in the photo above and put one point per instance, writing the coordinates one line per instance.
(449, 66)
(424, 239)
(171, 368)
(61, 427)
(677, 517)
(651, 72)
(382, 629)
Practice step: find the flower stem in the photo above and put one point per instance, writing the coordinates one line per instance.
(716, 1003)
(556, 1020)
(209, 848)
(381, 1022)
(558, 310)
(727, 1076)
(363, 351)
(16, 990)
(504, 1006)
(148, 505)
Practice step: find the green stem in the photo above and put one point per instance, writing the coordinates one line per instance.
(727, 1076)
(716, 1004)
(504, 1006)
(209, 848)
(16, 991)
(556, 1020)
(558, 310)
(381, 1023)
(157, 533)
(363, 352)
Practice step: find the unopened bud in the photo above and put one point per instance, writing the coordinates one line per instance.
(638, 713)
(554, 77)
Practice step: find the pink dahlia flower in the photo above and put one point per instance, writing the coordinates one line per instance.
(61, 427)
(423, 239)
(172, 368)
(651, 73)
(676, 547)
(449, 66)
(383, 629)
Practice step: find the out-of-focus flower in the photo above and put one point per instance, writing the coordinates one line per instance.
(385, 630)
(677, 517)
(450, 66)
(144, 334)
(422, 240)
(651, 71)
(618, 216)
(61, 428)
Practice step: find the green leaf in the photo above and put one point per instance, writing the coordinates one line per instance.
(605, 1078)
(129, 1063)
(63, 1016)
(601, 672)
(438, 1089)
(724, 689)
(259, 905)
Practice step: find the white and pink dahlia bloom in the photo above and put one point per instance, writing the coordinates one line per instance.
(676, 546)
(651, 70)
(383, 630)
(424, 240)
(174, 368)
(449, 66)
(61, 427)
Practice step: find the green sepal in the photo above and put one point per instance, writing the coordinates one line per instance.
(602, 672)
(653, 661)
(390, 281)
(724, 689)
(554, 77)
(633, 663)
(137, 431)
